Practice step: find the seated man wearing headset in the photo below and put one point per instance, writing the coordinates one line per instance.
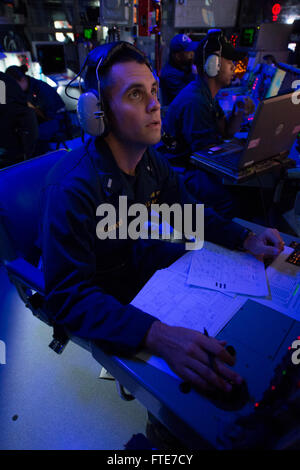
(195, 119)
(89, 281)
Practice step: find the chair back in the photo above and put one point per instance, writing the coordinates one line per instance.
(20, 187)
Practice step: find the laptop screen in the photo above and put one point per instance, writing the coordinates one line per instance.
(276, 83)
(274, 129)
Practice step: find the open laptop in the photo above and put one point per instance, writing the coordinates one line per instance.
(275, 126)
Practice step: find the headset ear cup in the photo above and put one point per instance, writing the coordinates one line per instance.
(212, 65)
(90, 116)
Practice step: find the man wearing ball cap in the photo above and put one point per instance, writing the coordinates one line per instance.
(178, 72)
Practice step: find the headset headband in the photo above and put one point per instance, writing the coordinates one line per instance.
(101, 56)
(108, 51)
(212, 63)
(213, 34)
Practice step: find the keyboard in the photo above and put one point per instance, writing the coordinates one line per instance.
(225, 149)
(230, 161)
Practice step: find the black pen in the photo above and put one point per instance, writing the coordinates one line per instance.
(211, 356)
(185, 387)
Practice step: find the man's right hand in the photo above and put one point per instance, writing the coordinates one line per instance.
(186, 352)
(245, 104)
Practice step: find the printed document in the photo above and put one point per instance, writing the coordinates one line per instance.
(224, 270)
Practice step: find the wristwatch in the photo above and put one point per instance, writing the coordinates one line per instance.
(245, 234)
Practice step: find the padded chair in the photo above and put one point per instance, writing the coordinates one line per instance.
(69, 129)
(20, 186)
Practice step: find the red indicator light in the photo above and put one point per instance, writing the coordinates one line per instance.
(276, 8)
(273, 387)
(256, 405)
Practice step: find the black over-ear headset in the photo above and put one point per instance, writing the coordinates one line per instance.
(90, 107)
(212, 64)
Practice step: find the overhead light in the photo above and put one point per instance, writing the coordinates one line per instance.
(291, 19)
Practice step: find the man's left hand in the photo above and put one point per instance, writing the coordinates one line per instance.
(269, 243)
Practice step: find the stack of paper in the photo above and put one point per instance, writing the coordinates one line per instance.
(168, 297)
(284, 283)
(218, 268)
(200, 290)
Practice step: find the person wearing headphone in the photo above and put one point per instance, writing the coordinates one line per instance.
(179, 71)
(91, 280)
(195, 120)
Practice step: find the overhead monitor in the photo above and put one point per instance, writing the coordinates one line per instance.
(276, 83)
(273, 37)
(205, 14)
(51, 56)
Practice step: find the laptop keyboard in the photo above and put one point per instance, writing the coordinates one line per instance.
(231, 161)
(224, 149)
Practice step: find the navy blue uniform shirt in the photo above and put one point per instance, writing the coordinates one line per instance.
(192, 118)
(18, 123)
(173, 80)
(45, 97)
(89, 282)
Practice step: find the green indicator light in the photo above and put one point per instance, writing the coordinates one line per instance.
(88, 33)
(284, 372)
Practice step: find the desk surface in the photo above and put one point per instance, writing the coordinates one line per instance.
(261, 337)
(194, 419)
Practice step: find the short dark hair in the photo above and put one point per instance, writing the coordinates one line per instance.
(17, 72)
(122, 56)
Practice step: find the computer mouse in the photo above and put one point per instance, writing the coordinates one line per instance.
(234, 400)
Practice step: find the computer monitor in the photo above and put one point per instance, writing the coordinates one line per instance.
(276, 83)
(51, 56)
(261, 81)
(16, 58)
(290, 77)
(275, 126)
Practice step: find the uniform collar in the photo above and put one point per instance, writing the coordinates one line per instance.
(201, 83)
(113, 181)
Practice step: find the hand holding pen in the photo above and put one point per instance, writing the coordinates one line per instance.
(200, 360)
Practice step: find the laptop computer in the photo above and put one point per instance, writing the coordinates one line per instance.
(275, 126)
